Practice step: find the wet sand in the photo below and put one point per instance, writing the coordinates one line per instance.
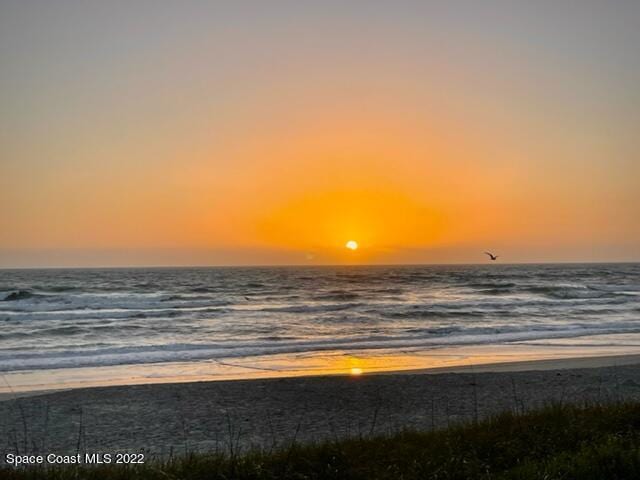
(169, 419)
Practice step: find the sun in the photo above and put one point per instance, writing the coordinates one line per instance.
(352, 245)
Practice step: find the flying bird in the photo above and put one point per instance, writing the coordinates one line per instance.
(491, 256)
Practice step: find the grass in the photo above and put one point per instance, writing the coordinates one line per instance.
(558, 442)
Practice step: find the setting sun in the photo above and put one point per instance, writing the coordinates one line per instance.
(352, 245)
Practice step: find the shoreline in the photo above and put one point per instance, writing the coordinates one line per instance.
(533, 365)
(539, 364)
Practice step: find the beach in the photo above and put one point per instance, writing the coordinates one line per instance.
(165, 420)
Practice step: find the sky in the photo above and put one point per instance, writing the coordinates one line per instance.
(253, 132)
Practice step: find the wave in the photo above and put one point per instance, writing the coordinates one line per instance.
(554, 292)
(216, 351)
(497, 291)
(427, 312)
(558, 292)
(337, 295)
(20, 295)
(310, 308)
(492, 285)
(202, 290)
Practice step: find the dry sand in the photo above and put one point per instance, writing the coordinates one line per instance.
(175, 418)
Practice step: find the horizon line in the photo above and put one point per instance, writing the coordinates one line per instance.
(327, 265)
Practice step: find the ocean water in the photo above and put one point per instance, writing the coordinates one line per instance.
(58, 319)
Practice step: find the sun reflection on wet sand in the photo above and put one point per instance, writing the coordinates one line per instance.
(308, 364)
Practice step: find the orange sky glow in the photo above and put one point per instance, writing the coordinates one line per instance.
(194, 144)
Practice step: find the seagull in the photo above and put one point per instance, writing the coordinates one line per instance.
(491, 255)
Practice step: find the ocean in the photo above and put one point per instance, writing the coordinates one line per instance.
(54, 319)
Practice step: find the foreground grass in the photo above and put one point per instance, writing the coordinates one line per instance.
(560, 442)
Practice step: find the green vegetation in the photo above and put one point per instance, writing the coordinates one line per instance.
(559, 442)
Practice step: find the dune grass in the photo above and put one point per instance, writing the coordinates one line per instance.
(558, 442)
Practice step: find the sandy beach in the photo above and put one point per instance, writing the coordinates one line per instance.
(171, 419)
